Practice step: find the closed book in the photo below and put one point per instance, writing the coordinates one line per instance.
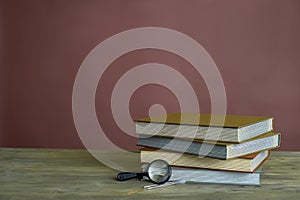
(214, 176)
(235, 128)
(247, 163)
(221, 150)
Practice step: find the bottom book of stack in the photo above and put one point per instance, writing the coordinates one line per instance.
(213, 176)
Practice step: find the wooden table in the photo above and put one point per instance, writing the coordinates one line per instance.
(75, 174)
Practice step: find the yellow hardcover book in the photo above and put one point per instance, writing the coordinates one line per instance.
(227, 128)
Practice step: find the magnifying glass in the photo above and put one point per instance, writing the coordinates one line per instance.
(158, 171)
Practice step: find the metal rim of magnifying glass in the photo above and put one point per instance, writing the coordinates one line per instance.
(168, 168)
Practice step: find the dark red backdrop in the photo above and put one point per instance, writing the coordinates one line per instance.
(255, 44)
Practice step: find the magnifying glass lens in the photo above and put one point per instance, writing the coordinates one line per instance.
(159, 171)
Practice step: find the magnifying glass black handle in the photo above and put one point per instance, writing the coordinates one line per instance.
(123, 176)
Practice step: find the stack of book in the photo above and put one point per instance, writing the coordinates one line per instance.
(201, 150)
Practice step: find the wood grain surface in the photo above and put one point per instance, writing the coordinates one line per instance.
(75, 174)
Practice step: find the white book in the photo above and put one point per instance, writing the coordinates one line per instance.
(213, 176)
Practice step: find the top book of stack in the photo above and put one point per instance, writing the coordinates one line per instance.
(234, 128)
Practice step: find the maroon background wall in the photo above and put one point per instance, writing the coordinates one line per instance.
(255, 44)
(2, 72)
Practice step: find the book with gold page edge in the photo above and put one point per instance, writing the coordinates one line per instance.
(248, 163)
